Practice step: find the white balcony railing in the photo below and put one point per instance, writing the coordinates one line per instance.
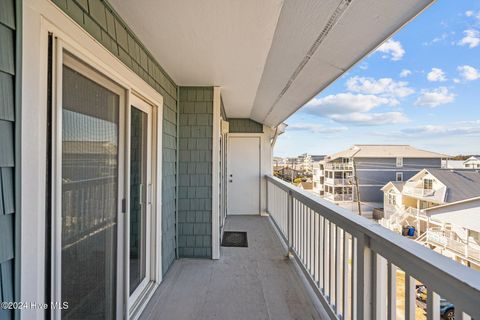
(449, 240)
(339, 196)
(338, 181)
(351, 263)
(339, 166)
(418, 192)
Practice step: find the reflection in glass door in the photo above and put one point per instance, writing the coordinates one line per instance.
(139, 197)
(90, 192)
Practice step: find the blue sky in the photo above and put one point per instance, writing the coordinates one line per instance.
(421, 87)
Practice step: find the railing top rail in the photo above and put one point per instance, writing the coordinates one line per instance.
(422, 263)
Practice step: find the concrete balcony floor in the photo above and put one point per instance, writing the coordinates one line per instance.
(257, 282)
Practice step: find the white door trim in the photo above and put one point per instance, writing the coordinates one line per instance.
(216, 173)
(41, 17)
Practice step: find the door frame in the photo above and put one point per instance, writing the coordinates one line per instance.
(259, 136)
(134, 299)
(42, 18)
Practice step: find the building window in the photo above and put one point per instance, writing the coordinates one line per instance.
(392, 199)
(428, 184)
(399, 176)
(399, 162)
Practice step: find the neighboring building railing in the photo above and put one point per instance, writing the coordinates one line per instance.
(418, 192)
(339, 196)
(449, 240)
(351, 263)
(339, 166)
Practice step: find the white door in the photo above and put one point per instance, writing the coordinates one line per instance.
(243, 175)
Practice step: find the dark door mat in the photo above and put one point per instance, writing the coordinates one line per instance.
(234, 239)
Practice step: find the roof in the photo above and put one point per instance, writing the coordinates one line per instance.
(396, 184)
(385, 151)
(306, 185)
(461, 184)
(318, 157)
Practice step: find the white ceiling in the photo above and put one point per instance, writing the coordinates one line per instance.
(208, 42)
(253, 49)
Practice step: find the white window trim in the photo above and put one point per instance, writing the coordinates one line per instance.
(399, 162)
(40, 17)
(397, 174)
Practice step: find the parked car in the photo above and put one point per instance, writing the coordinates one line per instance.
(447, 309)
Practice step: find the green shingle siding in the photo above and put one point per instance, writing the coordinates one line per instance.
(6, 98)
(195, 172)
(7, 151)
(103, 23)
(244, 126)
(7, 13)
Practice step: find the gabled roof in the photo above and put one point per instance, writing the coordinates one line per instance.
(385, 151)
(461, 184)
(394, 184)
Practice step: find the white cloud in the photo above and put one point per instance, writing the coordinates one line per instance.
(392, 49)
(444, 130)
(369, 119)
(405, 73)
(471, 38)
(315, 128)
(344, 103)
(354, 108)
(468, 73)
(469, 13)
(434, 98)
(436, 74)
(385, 87)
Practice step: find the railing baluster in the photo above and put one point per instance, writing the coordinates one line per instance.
(433, 305)
(338, 267)
(345, 275)
(380, 278)
(409, 297)
(392, 291)
(364, 279)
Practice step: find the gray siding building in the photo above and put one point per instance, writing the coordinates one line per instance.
(373, 166)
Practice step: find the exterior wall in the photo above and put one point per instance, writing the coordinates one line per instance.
(195, 172)
(244, 126)
(8, 86)
(374, 173)
(101, 21)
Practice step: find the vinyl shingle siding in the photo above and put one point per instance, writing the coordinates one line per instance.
(104, 24)
(240, 125)
(195, 172)
(7, 152)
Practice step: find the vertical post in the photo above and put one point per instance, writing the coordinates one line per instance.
(392, 292)
(433, 305)
(289, 221)
(364, 283)
(410, 303)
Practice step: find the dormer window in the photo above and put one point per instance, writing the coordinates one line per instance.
(428, 184)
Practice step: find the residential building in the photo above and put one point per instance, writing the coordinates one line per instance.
(472, 163)
(443, 207)
(373, 166)
(318, 177)
(135, 136)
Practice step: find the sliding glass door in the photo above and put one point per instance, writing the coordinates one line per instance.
(105, 234)
(140, 189)
(90, 201)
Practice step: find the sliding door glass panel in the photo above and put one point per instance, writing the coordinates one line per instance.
(90, 149)
(138, 184)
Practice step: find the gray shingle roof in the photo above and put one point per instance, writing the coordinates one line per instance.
(461, 184)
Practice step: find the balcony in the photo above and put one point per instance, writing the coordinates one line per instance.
(257, 282)
(418, 192)
(339, 181)
(339, 196)
(352, 263)
(449, 240)
(339, 166)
